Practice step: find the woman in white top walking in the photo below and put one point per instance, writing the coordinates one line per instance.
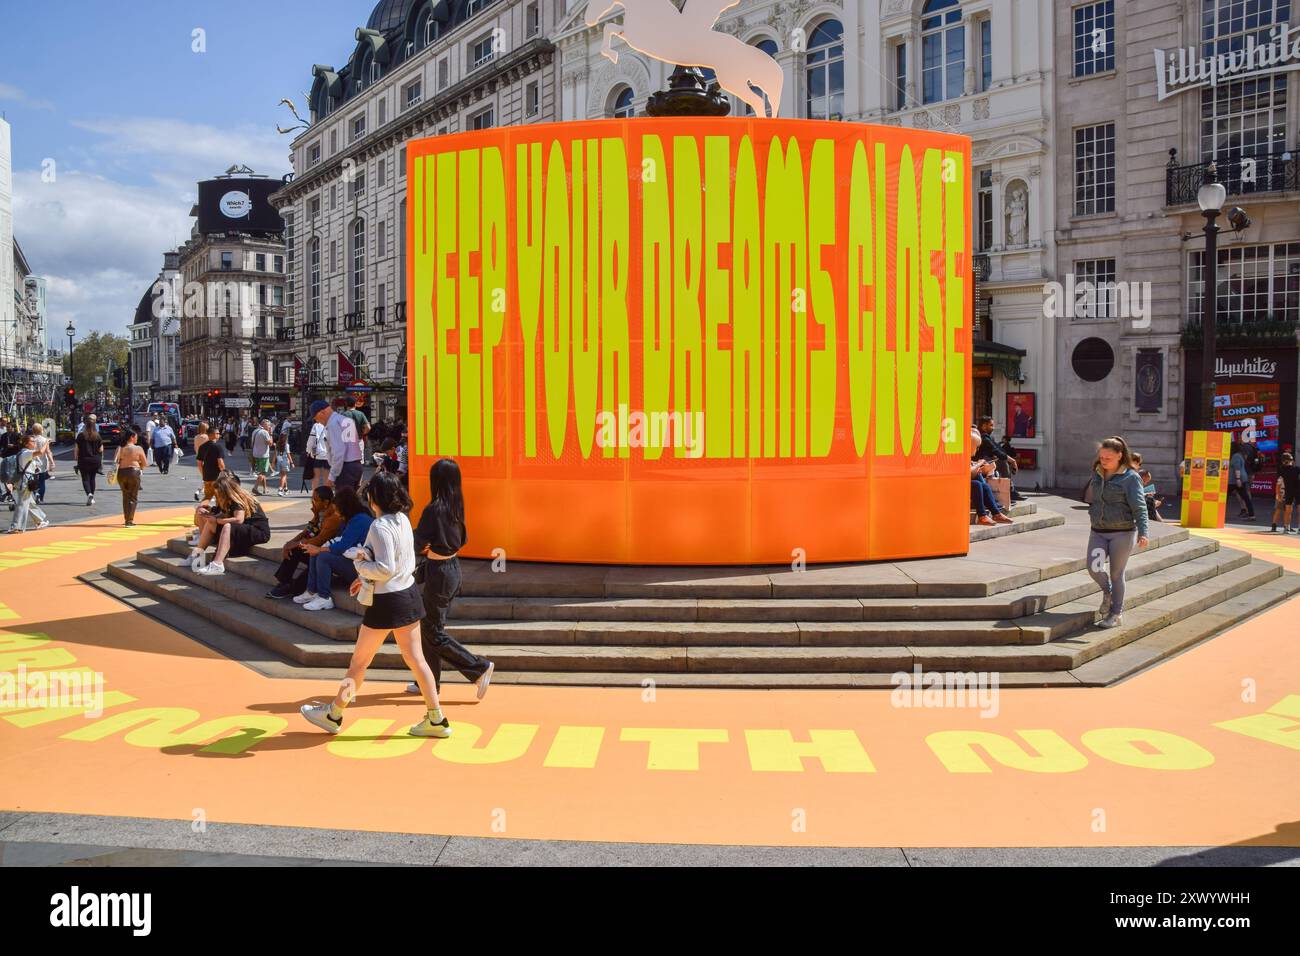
(386, 586)
(31, 466)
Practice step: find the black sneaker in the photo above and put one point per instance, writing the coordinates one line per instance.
(279, 592)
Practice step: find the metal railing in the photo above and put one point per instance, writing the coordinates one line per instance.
(1241, 176)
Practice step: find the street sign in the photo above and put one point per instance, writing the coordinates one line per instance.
(87, 407)
(236, 402)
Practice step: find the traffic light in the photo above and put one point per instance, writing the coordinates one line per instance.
(70, 395)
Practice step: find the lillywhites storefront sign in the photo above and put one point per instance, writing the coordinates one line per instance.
(1178, 71)
(1246, 368)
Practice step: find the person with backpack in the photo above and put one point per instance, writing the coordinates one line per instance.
(31, 465)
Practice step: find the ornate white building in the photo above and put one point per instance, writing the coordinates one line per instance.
(982, 68)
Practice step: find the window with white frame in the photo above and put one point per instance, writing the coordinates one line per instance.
(533, 99)
(900, 76)
(1253, 283)
(825, 71)
(532, 21)
(482, 119)
(621, 106)
(381, 111)
(313, 154)
(411, 94)
(1100, 274)
(1246, 117)
(1094, 38)
(313, 283)
(358, 126)
(984, 211)
(1094, 169)
(986, 54)
(943, 51)
(358, 185)
(313, 207)
(358, 265)
(481, 51)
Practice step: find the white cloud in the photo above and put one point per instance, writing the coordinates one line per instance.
(98, 242)
(14, 94)
(196, 147)
(99, 231)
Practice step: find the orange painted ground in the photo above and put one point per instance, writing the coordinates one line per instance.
(625, 765)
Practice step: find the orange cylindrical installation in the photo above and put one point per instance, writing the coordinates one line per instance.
(694, 341)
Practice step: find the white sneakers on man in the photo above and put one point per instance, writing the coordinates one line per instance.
(213, 569)
(320, 604)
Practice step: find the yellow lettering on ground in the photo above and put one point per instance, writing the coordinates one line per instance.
(956, 750)
(162, 728)
(672, 748)
(48, 715)
(368, 739)
(1281, 725)
(839, 751)
(510, 742)
(1118, 745)
(574, 747)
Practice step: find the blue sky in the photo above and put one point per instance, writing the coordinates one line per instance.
(132, 117)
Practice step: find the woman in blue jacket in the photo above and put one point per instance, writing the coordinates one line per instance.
(1118, 515)
(327, 561)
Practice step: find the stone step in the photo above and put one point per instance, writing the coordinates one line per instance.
(1151, 634)
(245, 583)
(1021, 525)
(305, 646)
(1020, 602)
(991, 567)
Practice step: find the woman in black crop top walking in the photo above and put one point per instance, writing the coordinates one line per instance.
(438, 536)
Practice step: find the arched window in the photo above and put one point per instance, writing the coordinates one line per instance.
(826, 70)
(364, 75)
(359, 265)
(943, 51)
(314, 282)
(622, 107)
(768, 46)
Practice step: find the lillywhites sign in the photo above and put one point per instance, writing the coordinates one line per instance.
(1178, 71)
(1246, 368)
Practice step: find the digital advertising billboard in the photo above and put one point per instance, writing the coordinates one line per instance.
(238, 205)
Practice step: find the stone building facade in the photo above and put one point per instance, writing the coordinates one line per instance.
(1137, 133)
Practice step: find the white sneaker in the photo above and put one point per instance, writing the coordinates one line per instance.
(45, 523)
(90, 500)
(1113, 620)
(427, 728)
(412, 688)
(482, 682)
(198, 495)
(306, 597)
(214, 569)
(319, 714)
(195, 561)
(320, 604)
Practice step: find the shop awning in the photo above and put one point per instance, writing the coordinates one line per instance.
(1004, 358)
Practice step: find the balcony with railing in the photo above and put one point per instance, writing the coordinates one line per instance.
(285, 334)
(312, 329)
(353, 321)
(1275, 173)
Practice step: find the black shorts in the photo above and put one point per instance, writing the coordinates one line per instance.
(244, 536)
(395, 609)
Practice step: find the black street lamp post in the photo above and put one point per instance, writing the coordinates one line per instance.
(71, 330)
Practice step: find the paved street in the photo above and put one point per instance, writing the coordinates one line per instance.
(65, 502)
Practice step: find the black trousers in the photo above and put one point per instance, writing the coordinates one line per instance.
(88, 469)
(288, 568)
(441, 585)
(162, 457)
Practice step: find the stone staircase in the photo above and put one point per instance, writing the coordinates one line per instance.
(1020, 603)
